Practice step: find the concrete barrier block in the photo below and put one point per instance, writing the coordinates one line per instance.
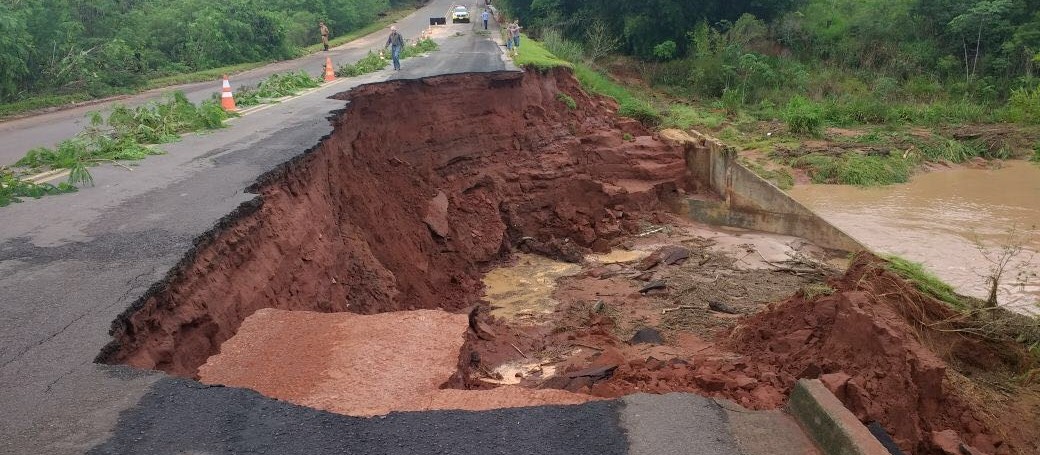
(828, 423)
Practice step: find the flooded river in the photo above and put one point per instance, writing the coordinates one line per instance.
(941, 217)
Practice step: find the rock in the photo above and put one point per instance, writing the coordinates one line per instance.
(658, 284)
(722, 308)
(746, 383)
(595, 373)
(836, 383)
(437, 216)
(647, 335)
(950, 443)
(654, 364)
(668, 255)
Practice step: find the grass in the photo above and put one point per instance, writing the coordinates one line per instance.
(1036, 153)
(684, 117)
(202, 76)
(814, 290)
(567, 100)
(41, 102)
(856, 169)
(953, 151)
(274, 87)
(925, 281)
(532, 54)
(779, 177)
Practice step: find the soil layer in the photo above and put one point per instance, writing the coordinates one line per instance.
(420, 188)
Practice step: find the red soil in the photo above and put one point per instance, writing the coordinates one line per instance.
(360, 365)
(359, 223)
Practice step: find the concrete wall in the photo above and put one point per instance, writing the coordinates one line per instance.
(746, 200)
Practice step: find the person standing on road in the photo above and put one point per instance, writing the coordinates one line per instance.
(396, 43)
(324, 34)
(486, 16)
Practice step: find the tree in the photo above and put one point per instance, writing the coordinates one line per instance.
(973, 22)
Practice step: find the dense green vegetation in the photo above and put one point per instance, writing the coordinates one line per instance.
(100, 47)
(925, 281)
(772, 77)
(845, 52)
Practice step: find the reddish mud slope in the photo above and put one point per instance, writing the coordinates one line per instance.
(873, 342)
(420, 186)
(360, 365)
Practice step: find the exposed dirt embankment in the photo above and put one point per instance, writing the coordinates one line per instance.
(420, 186)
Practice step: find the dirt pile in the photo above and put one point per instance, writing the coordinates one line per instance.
(874, 343)
(360, 365)
(420, 187)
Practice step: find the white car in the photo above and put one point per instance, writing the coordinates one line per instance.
(460, 14)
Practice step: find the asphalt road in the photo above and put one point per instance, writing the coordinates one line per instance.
(21, 135)
(70, 264)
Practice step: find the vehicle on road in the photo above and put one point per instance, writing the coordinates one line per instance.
(460, 14)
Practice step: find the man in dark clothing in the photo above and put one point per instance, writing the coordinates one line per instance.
(324, 34)
(396, 43)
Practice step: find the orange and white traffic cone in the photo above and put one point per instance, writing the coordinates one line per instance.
(227, 99)
(330, 74)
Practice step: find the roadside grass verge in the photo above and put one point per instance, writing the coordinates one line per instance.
(390, 17)
(374, 62)
(924, 281)
(534, 55)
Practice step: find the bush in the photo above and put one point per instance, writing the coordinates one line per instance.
(639, 110)
(803, 117)
(563, 48)
(1024, 106)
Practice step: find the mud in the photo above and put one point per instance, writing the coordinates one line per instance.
(955, 211)
(360, 365)
(420, 188)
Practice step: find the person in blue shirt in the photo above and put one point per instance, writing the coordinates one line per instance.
(485, 15)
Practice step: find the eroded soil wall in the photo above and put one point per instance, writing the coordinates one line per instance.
(421, 185)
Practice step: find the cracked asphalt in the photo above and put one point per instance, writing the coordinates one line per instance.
(70, 264)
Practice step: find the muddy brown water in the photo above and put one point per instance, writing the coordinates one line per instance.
(940, 217)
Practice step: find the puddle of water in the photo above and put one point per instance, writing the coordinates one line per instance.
(523, 291)
(938, 219)
(524, 368)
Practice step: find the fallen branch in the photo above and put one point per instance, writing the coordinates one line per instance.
(681, 307)
(518, 350)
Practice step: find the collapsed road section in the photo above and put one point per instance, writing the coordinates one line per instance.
(429, 192)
